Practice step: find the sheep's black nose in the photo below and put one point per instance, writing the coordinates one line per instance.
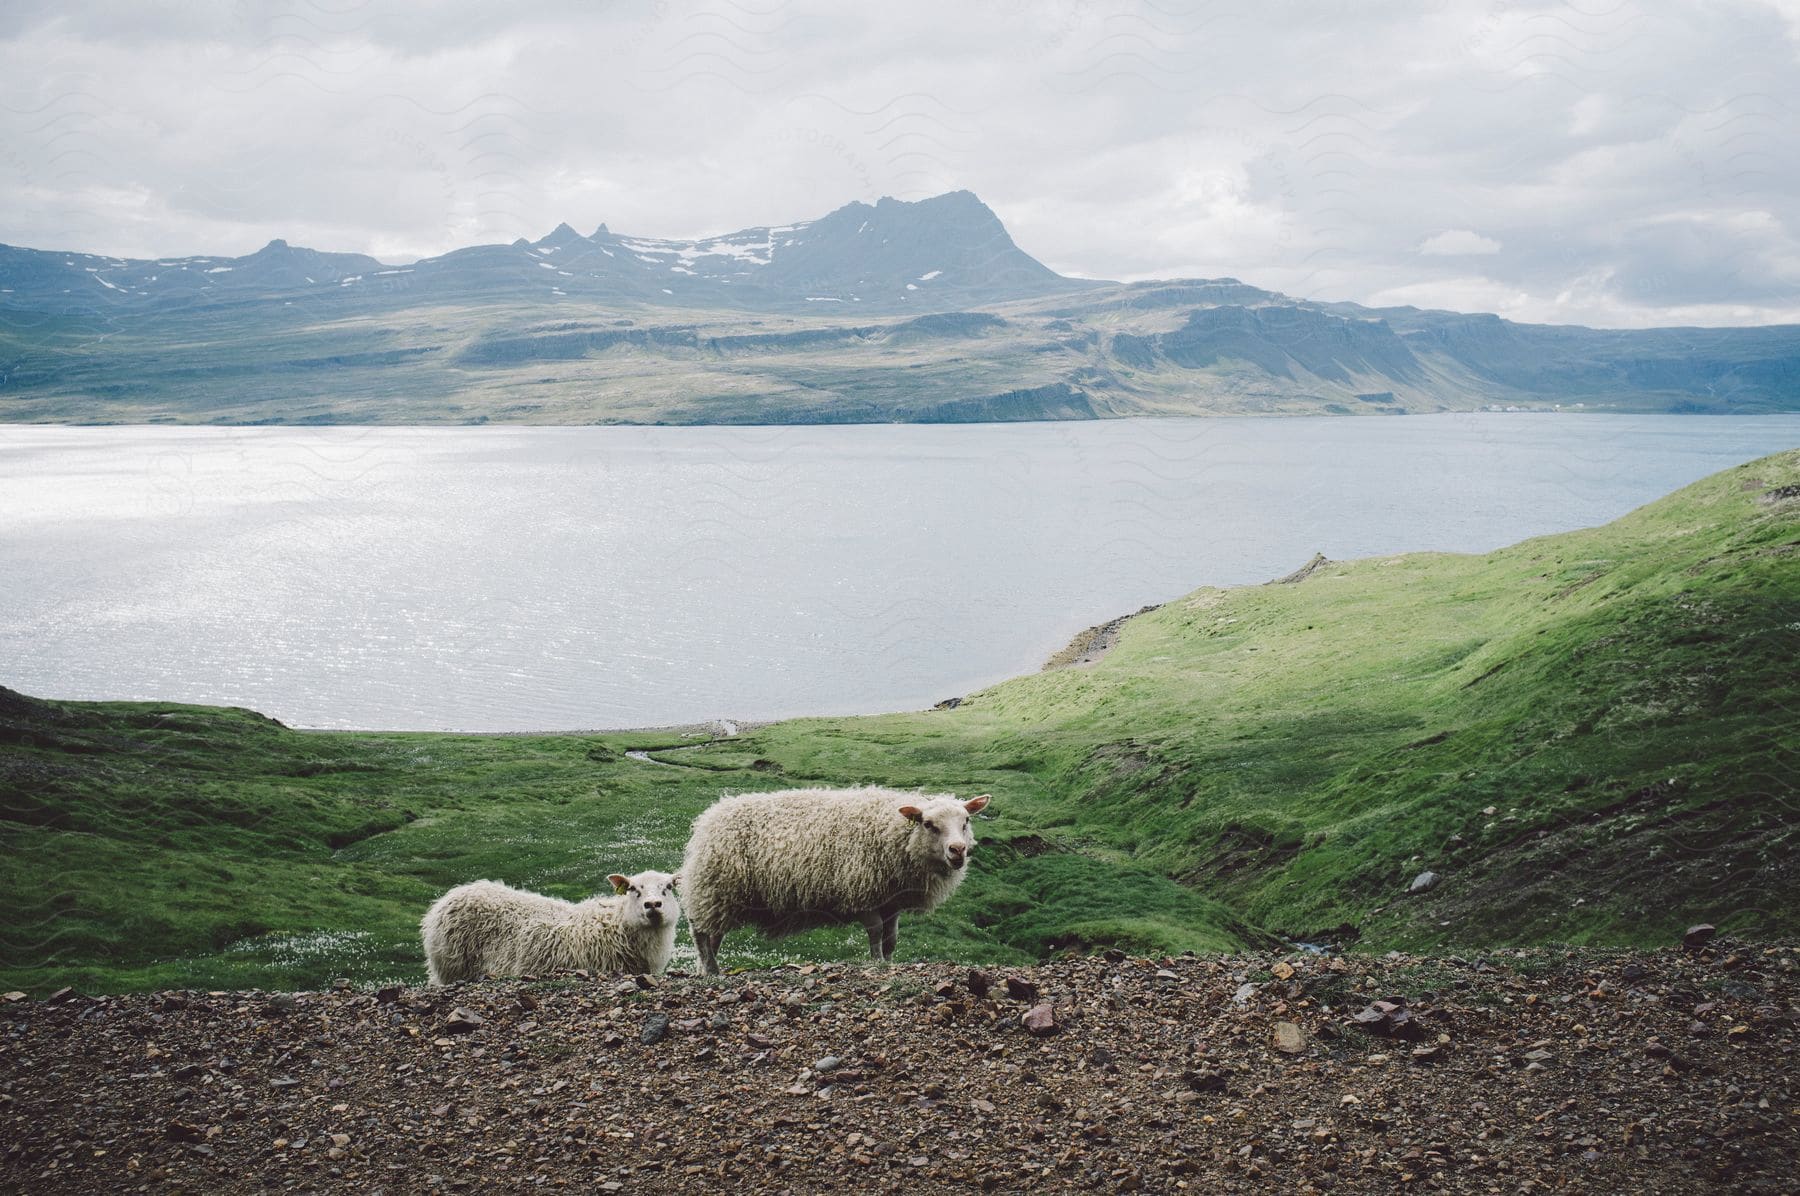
(652, 905)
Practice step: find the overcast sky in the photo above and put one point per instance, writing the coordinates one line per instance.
(1609, 163)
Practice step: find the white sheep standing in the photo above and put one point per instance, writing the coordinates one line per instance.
(485, 927)
(800, 858)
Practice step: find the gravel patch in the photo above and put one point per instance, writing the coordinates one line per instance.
(1670, 1071)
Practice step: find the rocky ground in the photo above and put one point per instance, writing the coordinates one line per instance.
(1670, 1071)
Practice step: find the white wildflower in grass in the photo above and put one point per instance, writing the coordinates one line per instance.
(319, 944)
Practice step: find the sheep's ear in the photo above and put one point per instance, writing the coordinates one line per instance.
(619, 882)
(912, 813)
(976, 804)
(675, 881)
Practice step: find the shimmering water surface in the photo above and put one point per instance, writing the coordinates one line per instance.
(501, 579)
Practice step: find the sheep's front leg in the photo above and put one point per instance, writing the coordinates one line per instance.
(890, 934)
(708, 946)
(872, 922)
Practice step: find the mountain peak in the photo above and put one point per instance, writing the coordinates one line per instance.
(562, 234)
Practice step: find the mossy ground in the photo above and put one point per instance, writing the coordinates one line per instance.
(1591, 738)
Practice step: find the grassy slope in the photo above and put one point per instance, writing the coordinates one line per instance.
(1271, 760)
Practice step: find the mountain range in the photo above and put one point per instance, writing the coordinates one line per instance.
(920, 311)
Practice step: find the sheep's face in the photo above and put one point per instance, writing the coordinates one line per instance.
(650, 899)
(941, 831)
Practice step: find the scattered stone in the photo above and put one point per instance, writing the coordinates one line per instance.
(1386, 1017)
(1424, 882)
(1020, 989)
(1282, 969)
(1697, 937)
(10, 997)
(280, 1005)
(59, 996)
(389, 994)
(656, 1028)
(1289, 1038)
(181, 1131)
(1040, 1021)
(978, 983)
(828, 1063)
(463, 1021)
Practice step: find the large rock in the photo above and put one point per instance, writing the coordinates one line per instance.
(1289, 1038)
(1424, 882)
(463, 1021)
(1698, 936)
(1040, 1021)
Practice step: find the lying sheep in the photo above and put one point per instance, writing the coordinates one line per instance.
(489, 928)
(800, 858)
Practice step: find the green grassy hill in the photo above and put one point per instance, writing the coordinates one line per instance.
(1589, 738)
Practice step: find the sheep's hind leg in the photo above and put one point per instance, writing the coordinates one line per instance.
(890, 934)
(708, 946)
(872, 922)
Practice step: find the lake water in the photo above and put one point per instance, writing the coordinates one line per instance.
(501, 579)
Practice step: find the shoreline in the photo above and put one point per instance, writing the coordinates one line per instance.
(490, 424)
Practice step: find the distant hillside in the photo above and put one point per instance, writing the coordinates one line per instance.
(1581, 738)
(873, 313)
